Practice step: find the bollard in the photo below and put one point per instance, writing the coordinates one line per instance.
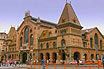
(39, 66)
(34, 65)
(89, 66)
(54, 66)
(30, 65)
(46, 65)
(99, 64)
(64, 66)
(76, 65)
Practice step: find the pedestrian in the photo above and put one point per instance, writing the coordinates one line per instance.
(10, 62)
(7, 63)
(43, 62)
(0, 63)
(103, 62)
(15, 63)
(93, 60)
(77, 60)
(47, 61)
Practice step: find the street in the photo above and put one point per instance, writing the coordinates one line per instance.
(51, 66)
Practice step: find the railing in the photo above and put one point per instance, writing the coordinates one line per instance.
(66, 66)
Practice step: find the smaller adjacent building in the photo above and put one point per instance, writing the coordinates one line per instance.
(10, 50)
(94, 41)
(2, 39)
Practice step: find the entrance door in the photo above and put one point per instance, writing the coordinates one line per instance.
(76, 55)
(54, 57)
(24, 57)
(47, 56)
(41, 56)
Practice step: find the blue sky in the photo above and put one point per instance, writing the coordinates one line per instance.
(89, 12)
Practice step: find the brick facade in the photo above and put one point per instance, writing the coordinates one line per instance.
(56, 42)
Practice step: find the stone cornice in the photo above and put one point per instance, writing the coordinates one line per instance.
(44, 49)
(70, 34)
(12, 45)
(46, 39)
(68, 24)
(12, 52)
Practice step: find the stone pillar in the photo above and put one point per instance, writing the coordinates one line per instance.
(21, 58)
(69, 40)
(28, 56)
(58, 58)
(67, 59)
(44, 56)
(82, 54)
(51, 58)
(37, 36)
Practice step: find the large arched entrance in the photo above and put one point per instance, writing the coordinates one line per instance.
(76, 55)
(63, 56)
(47, 56)
(24, 57)
(41, 56)
(92, 56)
(54, 57)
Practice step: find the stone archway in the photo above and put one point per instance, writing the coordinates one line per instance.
(92, 56)
(47, 56)
(41, 56)
(54, 57)
(24, 57)
(63, 56)
(76, 55)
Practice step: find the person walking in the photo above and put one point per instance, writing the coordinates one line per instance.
(77, 60)
(43, 62)
(10, 62)
(15, 63)
(7, 63)
(103, 62)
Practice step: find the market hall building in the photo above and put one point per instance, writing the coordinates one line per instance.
(39, 39)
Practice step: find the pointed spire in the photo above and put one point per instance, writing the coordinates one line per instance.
(38, 20)
(27, 13)
(70, 2)
(66, 1)
(68, 15)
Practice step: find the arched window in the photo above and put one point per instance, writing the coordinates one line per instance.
(63, 43)
(21, 41)
(96, 41)
(91, 43)
(41, 46)
(100, 44)
(92, 56)
(47, 45)
(26, 35)
(54, 45)
(31, 40)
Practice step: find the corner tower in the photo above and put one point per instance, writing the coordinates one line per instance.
(69, 33)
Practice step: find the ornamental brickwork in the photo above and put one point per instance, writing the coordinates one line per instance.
(37, 39)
